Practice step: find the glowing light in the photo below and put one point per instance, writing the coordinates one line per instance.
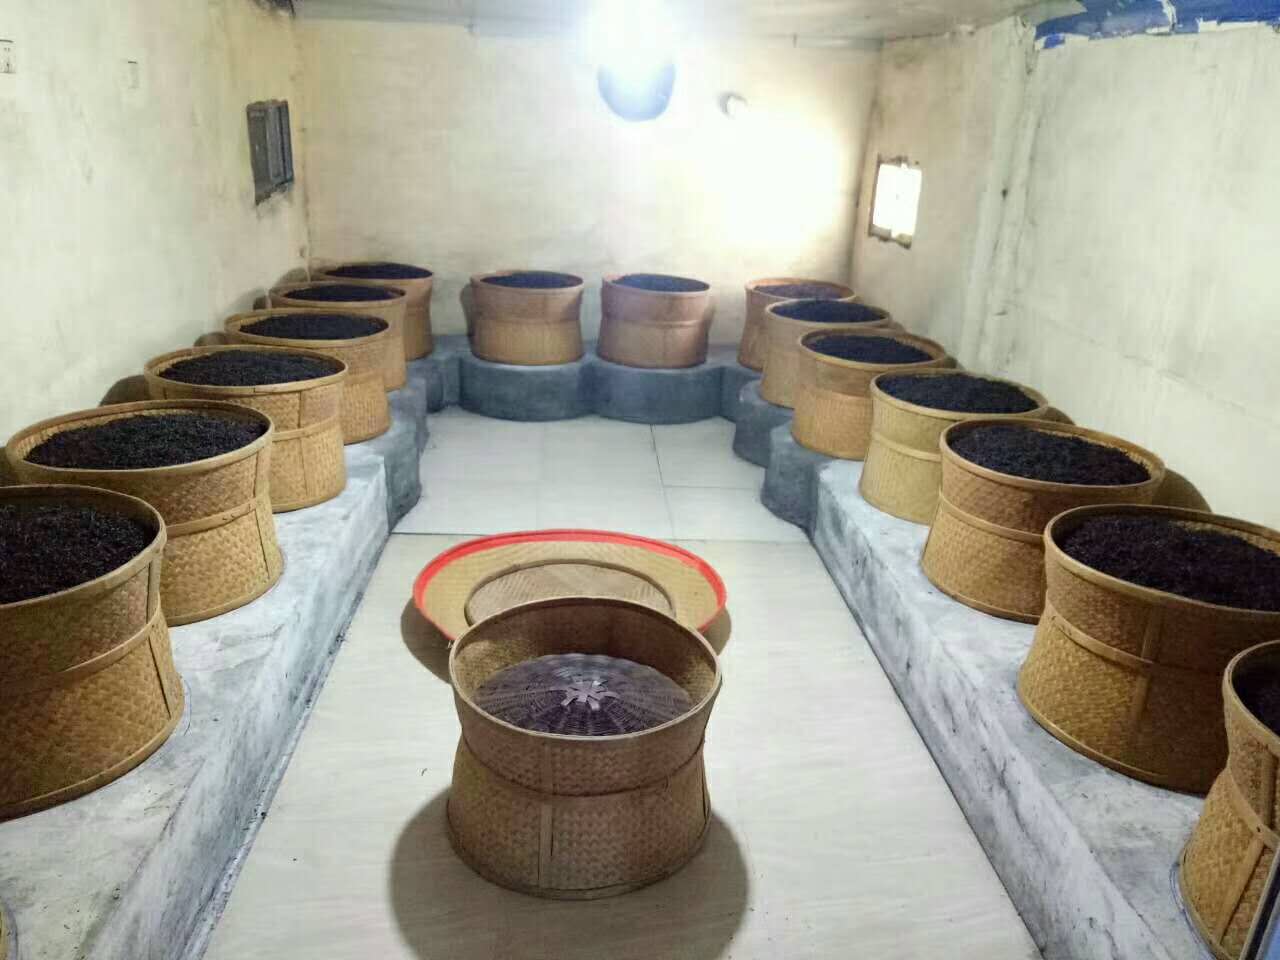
(631, 38)
(897, 201)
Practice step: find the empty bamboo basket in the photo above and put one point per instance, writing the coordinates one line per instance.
(782, 336)
(903, 469)
(751, 347)
(307, 465)
(1224, 867)
(222, 551)
(395, 374)
(363, 409)
(653, 328)
(833, 396)
(986, 544)
(1131, 676)
(418, 338)
(88, 689)
(580, 817)
(526, 326)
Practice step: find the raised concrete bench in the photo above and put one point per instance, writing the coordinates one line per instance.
(756, 420)
(1088, 855)
(586, 386)
(131, 871)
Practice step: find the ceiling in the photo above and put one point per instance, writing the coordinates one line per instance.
(853, 19)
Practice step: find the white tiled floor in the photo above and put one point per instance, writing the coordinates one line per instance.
(835, 836)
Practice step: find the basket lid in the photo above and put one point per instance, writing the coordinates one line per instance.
(578, 694)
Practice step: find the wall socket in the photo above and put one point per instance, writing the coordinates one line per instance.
(8, 57)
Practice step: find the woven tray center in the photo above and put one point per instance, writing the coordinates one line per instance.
(586, 695)
(556, 579)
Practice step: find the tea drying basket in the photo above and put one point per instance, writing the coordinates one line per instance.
(526, 326)
(395, 374)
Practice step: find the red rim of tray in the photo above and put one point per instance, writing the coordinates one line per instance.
(482, 544)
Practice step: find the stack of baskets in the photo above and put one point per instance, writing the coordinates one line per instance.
(416, 282)
(385, 303)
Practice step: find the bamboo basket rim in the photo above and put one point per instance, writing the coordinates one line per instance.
(65, 492)
(1261, 732)
(1155, 466)
(233, 325)
(140, 407)
(327, 272)
(881, 396)
(1070, 519)
(771, 310)
(397, 295)
(494, 576)
(157, 365)
(539, 736)
(611, 280)
(752, 286)
(910, 339)
(479, 278)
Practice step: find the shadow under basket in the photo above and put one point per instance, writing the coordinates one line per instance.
(751, 346)
(833, 396)
(526, 326)
(986, 543)
(222, 551)
(580, 817)
(1224, 866)
(363, 408)
(419, 341)
(653, 329)
(88, 688)
(781, 340)
(1131, 676)
(307, 464)
(395, 372)
(903, 470)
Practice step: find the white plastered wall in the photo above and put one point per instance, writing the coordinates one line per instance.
(472, 153)
(129, 224)
(1098, 221)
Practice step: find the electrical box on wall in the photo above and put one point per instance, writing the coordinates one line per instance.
(270, 148)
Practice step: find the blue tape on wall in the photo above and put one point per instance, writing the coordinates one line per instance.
(1122, 18)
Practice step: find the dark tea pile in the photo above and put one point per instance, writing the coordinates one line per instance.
(804, 291)
(48, 548)
(829, 311)
(143, 442)
(582, 695)
(957, 392)
(1201, 564)
(380, 271)
(342, 293)
(1053, 457)
(868, 349)
(1259, 691)
(662, 283)
(315, 326)
(534, 280)
(249, 368)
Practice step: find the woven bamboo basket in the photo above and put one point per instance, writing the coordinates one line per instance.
(833, 398)
(418, 339)
(782, 337)
(1130, 676)
(395, 374)
(580, 817)
(903, 469)
(222, 551)
(88, 689)
(751, 347)
(654, 329)
(986, 544)
(363, 409)
(524, 326)
(1224, 867)
(307, 465)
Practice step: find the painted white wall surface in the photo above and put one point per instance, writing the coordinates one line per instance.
(473, 153)
(129, 226)
(1129, 273)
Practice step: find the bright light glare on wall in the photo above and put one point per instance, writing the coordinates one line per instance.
(632, 44)
(897, 201)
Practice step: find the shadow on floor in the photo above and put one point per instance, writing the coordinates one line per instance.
(424, 641)
(447, 912)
